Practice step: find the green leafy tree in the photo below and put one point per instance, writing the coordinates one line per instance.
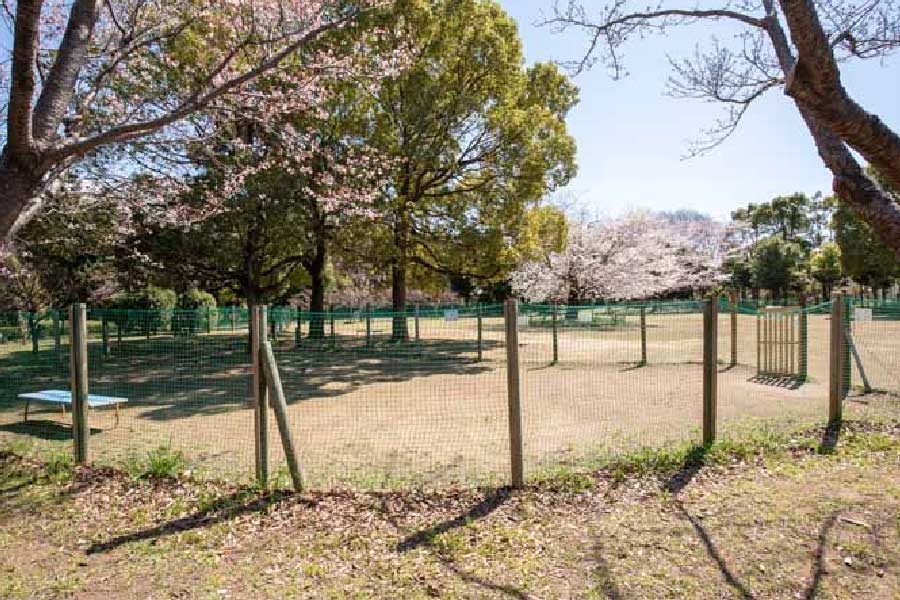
(825, 267)
(776, 265)
(474, 139)
(864, 257)
(796, 218)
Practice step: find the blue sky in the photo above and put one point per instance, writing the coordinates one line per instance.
(632, 137)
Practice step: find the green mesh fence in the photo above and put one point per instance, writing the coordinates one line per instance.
(598, 381)
(773, 366)
(874, 346)
(382, 399)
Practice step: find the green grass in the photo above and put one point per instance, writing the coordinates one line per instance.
(159, 463)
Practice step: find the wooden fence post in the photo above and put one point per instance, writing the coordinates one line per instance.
(803, 366)
(298, 333)
(734, 329)
(516, 445)
(643, 335)
(710, 369)
(418, 332)
(480, 336)
(258, 337)
(79, 380)
(555, 324)
(276, 393)
(837, 364)
(847, 365)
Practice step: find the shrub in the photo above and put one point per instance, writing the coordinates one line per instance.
(196, 312)
(164, 462)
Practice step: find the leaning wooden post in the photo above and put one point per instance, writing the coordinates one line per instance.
(259, 336)
(555, 324)
(298, 332)
(710, 369)
(643, 334)
(276, 393)
(79, 381)
(368, 325)
(480, 337)
(516, 445)
(846, 312)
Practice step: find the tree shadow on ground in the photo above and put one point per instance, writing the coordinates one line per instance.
(424, 538)
(491, 502)
(677, 482)
(170, 377)
(223, 509)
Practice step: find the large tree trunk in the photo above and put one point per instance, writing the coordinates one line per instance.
(316, 269)
(399, 272)
(20, 184)
(832, 118)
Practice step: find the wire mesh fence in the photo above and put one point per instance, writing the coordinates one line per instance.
(421, 397)
(601, 380)
(874, 346)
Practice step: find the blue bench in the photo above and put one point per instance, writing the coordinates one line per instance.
(63, 398)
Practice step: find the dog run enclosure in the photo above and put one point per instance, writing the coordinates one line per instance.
(468, 396)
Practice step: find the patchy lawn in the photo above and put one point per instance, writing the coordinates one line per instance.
(781, 517)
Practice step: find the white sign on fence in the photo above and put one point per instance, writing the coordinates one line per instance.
(523, 321)
(585, 316)
(862, 314)
(451, 315)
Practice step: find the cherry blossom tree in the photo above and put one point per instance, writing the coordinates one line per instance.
(87, 76)
(797, 46)
(637, 256)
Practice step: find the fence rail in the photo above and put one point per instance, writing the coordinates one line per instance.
(433, 395)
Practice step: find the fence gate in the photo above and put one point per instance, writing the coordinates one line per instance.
(781, 343)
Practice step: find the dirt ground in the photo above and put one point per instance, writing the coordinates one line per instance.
(813, 514)
(429, 412)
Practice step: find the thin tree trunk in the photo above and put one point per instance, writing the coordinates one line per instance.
(399, 272)
(316, 269)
